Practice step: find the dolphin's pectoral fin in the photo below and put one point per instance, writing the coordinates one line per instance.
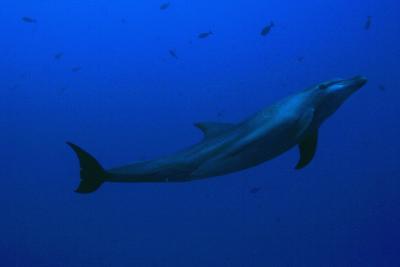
(307, 149)
(213, 128)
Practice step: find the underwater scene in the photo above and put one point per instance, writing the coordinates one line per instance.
(185, 133)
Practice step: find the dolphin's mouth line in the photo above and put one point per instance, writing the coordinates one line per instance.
(357, 81)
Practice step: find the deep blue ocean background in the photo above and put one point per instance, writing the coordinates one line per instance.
(117, 92)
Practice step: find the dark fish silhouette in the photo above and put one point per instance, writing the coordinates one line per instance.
(172, 52)
(265, 31)
(58, 55)
(255, 190)
(15, 86)
(165, 5)
(62, 90)
(28, 20)
(368, 23)
(204, 35)
(76, 69)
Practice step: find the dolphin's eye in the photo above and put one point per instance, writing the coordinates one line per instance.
(323, 86)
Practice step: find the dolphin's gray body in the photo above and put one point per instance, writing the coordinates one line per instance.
(227, 148)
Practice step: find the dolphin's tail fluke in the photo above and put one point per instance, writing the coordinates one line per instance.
(92, 174)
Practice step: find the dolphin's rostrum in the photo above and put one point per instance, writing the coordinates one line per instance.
(227, 148)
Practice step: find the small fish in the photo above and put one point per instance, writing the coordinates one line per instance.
(76, 69)
(204, 35)
(300, 59)
(368, 23)
(58, 55)
(14, 87)
(25, 75)
(62, 90)
(255, 190)
(165, 6)
(172, 52)
(28, 20)
(265, 31)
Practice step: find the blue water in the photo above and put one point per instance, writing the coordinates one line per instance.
(117, 92)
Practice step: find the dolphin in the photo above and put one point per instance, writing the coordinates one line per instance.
(226, 148)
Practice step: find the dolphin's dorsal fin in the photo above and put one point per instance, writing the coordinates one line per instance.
(307, 149)
(213, 128)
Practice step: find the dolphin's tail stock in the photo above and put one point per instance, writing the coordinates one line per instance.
(92, 173)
